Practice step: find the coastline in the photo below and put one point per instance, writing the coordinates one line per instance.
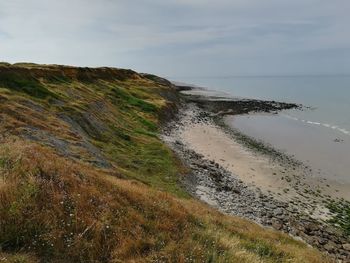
(88, 148)
(238, 180)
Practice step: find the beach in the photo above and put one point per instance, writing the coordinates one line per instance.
(244, 177)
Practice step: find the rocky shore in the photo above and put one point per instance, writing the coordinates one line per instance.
(216, 185)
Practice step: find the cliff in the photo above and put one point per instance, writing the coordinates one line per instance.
(84, 176)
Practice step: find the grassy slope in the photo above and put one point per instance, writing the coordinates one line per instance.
(85, 178)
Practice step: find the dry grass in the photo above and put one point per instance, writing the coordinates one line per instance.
(17, 258)
(70, 212)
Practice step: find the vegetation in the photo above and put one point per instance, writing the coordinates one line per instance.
(29, 86)
(341, 211)
(84, 177)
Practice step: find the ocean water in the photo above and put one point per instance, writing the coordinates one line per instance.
(318, 135)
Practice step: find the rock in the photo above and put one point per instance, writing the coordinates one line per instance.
(321, 241)
(311, 227)
(278, 211)
(343, 252)
(282, 205)
(270, 205)
(276, 224)
(330, 246)
(269, 215)
(178, 142)
(309, 239)
(346, 247)
(236, 191)
(333, 231)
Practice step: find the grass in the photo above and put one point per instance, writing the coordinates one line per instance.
(130, 100)
(58, 205)
(18, 258)
(91, 215)
(28, 86)
(341, 218)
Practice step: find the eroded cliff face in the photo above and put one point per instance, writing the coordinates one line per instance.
(73, 109)
(59, 72)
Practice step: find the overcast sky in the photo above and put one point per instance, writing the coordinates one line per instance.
(179, 38)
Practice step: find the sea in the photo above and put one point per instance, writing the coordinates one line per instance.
(318, 135)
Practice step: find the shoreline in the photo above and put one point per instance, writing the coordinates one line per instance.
(238, 181)
(87, 178)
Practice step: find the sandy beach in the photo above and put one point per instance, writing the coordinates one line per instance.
(272, 189)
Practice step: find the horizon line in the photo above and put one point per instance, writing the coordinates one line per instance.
(262, 76)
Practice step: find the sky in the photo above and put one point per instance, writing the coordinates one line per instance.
(181, 38)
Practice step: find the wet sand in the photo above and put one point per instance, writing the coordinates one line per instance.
(285, 182)
(324, 149)
(215, 144)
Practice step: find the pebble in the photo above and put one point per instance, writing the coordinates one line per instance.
(230, 195)
(346, 247)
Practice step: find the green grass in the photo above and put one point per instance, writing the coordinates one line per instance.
(265, 251)
(15, 233)
(129, 100)
(341, 219)
(149, 125)
(151, 163)
(25, 85)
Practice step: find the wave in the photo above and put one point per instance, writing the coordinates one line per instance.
(326, 125)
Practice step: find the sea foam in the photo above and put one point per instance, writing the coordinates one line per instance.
(326, 125)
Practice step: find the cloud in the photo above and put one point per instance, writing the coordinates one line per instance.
(244, 37)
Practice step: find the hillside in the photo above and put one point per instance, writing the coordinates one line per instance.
(84, 176)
